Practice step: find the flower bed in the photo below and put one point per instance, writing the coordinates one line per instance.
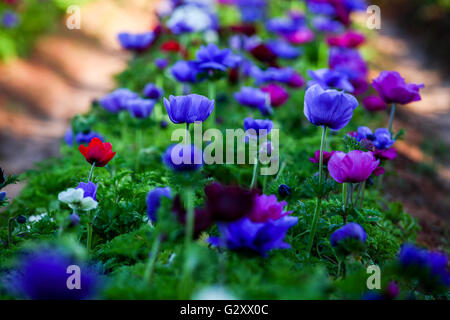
(144, 217)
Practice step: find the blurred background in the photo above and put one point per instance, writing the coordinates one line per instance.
(49, 73)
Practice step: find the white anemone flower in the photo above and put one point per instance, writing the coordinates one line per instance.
(76, 200)
(198, 19)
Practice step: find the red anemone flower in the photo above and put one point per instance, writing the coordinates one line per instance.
(97, 152)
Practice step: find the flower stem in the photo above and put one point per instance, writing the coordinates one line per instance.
(189, 232)
(391, 118)
(314, 225)
(10, 230)
(91, 172)
(322, 143)
(255, 173)
(152, 259)
(319, 197)
(362, 195)
(89, 234)
(212, 96)
(138, 147)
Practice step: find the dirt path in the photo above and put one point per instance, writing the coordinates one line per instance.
(421, 179)
(66, 70)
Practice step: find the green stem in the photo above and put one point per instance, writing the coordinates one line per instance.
(362, 195)
(255, 173)
(91, 172)
(89, 234)
(190, 219)
(319, 198)
(10, 230)
(358, 193)
(391, 118)
(212, 96)
(138, 147)
(152, 259)
(322, 143)
(314, 225)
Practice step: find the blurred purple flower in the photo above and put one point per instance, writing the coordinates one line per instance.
(154, 201)
(253, 98)
(350, 231)
(210, 57)
(42, 275)
(185, 71)
(374, 103)
(10, 19)
(140, 108)
(116, 100)
(81, 137)
(327, 79)
(283, 49)
(137, 42)
(267, 208)
(161, 63)
(381, 138)
(260, 237)
(183, 157)
(153, 92)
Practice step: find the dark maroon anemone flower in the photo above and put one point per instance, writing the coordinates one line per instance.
(263, 53)
(228, 203)
(246, 29)
(202, 217)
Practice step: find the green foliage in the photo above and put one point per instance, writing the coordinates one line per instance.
(123, 236)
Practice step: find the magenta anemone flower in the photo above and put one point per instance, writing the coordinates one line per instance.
(267, 208)
(355, 166)
(393, 89)
(278, 95)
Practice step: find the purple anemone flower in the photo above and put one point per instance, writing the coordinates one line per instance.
(252, 10)
(349, 231)
(81, 137)
(210, 57)
(282, 75)
(161, 63)
(329, 108)
(327, 79)
(154, 201)
(326, 157)
(90, 189)
(423, 263)
(116, 100)
(259, 237)
(283, 49)
(138, 42)
(253, 98)
(325, 24)
(43, 275)
(374, 103)
(188, 109)
(355, 166)
(185, 71)
(349, 62)
(153, 92)
(140, 108)
(259, 126)
(381, 138)
(10, 19)
(393, 88)
(183, 157)
(2, 196)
